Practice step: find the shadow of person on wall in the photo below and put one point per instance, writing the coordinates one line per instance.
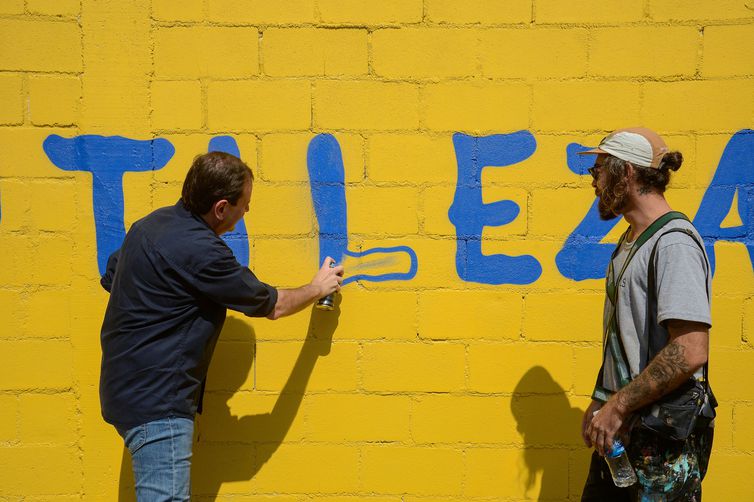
(551, 431)
(231, 448)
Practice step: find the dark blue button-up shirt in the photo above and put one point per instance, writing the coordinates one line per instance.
(170, 284)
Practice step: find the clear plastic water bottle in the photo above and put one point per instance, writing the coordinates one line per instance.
(620, 465)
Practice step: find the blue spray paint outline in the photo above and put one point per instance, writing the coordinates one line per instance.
(327, 183)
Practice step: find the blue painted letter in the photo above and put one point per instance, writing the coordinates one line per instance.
(327, 179)
(237, 239)
(583, 256)
(735, 172)
(107, 158)
(470, 215)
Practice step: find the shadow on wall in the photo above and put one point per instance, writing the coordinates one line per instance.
(231, 448)
(551, 431)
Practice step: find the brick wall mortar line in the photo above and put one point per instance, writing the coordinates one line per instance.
(260, 52)
(470, 79)
(43, 72)
(26, 95)
(359, 368)
(533, 18)
(30, 16)
(700, 53)
(151, 74)
(317, 13)
(370, 54)
(312, 108)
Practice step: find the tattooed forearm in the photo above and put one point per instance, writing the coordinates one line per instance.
(668, 369)
(668, 364)
(631, 396)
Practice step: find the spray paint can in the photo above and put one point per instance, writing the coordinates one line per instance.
(327, 302)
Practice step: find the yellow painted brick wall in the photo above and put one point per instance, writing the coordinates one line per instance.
(433, 388)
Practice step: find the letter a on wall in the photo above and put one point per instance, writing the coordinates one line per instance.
(734, 176)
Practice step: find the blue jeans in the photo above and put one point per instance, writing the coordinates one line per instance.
(161, 459)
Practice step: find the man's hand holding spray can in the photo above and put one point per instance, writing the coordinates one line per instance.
(328, 302)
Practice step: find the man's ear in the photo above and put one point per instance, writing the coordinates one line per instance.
(630, 172)
(220, 209)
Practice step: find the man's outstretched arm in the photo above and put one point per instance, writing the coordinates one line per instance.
(290, 301)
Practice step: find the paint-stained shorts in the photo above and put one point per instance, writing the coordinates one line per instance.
(667, 470)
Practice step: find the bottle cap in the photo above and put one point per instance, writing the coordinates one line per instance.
(617, 449)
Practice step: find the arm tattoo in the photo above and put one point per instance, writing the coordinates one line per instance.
(657, 379)
(668, 364)
(631, 395)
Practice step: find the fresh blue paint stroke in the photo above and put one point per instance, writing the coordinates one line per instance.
(238, 238)
(107, 158)
(327, 182)
(735, 172)
(469, 214)
(583, 256)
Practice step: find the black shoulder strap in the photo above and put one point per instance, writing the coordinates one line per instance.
(656, 342)
(650, 230)
(599, 391)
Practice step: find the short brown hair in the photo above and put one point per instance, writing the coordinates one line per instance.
(212, 177)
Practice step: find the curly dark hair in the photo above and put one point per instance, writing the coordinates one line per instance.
(658, 179)
(212, 177)
(613, 197)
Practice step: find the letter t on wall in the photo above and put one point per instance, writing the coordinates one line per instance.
(107, 158)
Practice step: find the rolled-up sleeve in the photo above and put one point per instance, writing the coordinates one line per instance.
(225, 281)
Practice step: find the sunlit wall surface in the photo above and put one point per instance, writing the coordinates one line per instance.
(430, 145)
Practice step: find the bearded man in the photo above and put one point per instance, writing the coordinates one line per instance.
(656, 325)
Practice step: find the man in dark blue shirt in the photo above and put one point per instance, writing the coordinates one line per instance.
(170, 284)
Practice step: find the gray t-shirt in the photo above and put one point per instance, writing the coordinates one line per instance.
(681, 292)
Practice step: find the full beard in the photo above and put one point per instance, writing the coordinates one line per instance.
(610, 206)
